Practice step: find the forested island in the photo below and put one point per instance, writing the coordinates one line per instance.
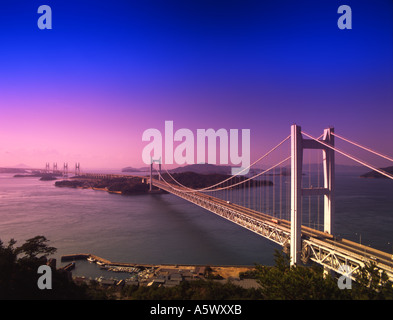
(125, 186)
(132, 169)
(135, 185)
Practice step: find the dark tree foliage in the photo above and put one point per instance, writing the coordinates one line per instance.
(283, 282)
(34, 246)
(372, 284)
(296, 283)
(18, 273)
(192, 290)
(127, 186)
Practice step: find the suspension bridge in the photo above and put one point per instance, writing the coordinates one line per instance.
(297, 212)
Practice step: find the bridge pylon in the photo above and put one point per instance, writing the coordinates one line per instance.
(65, 169)
(298, 144)
(77, 169)
(151, 172)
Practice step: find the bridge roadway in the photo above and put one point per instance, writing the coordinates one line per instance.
(322, 248)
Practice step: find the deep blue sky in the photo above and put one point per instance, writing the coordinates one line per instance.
(109, 70)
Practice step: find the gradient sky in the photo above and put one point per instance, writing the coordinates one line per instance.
(87, 89)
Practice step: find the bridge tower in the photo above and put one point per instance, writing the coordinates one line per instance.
(54, 167)
(151, 171)
(77, 169)
(65, 169)
(298, 144)
(47, 169)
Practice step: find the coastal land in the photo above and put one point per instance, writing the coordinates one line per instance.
(132, 185)
(125, 185)
(166, 275)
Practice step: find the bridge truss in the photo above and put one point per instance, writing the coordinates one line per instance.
(304, 243)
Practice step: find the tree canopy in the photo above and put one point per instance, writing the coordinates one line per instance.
(18, 272)
(283, 282)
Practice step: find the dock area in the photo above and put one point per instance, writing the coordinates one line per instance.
(224, 271)
(167, 275)
(101, 261)
(71, 257)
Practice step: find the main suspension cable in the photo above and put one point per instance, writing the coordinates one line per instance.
(351, 157)
(189, 190)
(237, 174)
(360, 146)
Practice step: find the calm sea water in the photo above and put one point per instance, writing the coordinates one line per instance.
(165, 229)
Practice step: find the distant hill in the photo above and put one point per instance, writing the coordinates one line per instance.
(207, 168)
(313, 167)
(197, 168)
(21, 165)
(374, 174)
(133, 185)
(129, 169)
(203, 169)
(132, 169)
(12, 170)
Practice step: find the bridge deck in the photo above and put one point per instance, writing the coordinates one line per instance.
(318, 246)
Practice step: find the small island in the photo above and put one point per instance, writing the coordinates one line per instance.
(377, 175)
(125, 186)
(132, 169)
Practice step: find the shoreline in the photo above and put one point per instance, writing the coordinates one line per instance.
(225, 271)
(126, 188)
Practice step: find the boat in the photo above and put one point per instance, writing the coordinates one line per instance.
(100, 263)
(90, 259)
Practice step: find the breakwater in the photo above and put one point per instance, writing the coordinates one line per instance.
(225, 269)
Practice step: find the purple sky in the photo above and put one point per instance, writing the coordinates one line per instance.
(86, 90)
